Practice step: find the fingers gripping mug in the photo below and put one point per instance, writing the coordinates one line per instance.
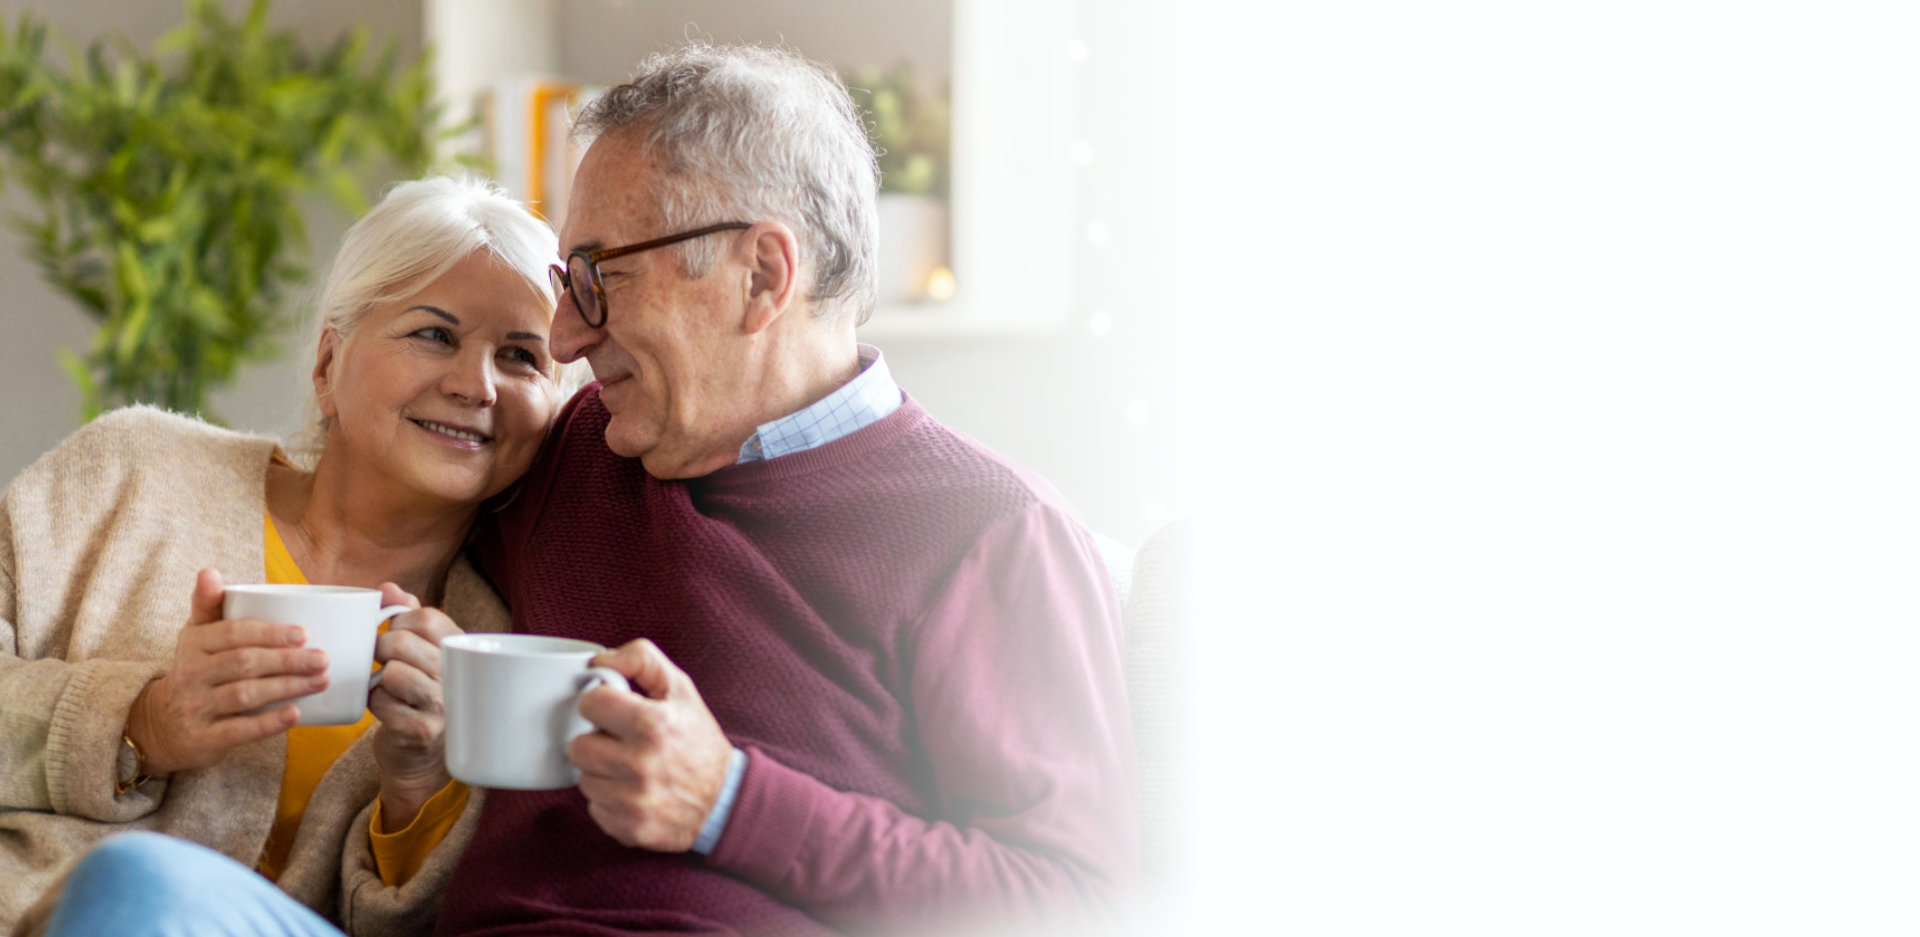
(513, 704)
(340, 620)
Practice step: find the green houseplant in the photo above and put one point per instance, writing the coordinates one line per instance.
(911, 128)
(909, 125)
(167, 187)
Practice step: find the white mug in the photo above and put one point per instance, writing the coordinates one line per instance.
(513, 704)
(340, 620)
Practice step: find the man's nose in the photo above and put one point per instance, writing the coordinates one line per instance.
(572, 337)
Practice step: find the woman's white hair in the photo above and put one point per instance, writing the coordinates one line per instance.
(419, 231)
(751, 133)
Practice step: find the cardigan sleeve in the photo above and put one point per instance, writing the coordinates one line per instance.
(61, 722)
(369, 907)
(1019, 701)
(372, 908)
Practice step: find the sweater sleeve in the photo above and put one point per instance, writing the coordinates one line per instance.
(1018, 696)
(369, 906)
(503, 528)
(61, 722)
(398, 856)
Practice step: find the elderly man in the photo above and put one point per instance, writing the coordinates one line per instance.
(879, 666)
(876, 668)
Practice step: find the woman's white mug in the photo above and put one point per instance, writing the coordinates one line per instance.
(343, 621)
(513, 705)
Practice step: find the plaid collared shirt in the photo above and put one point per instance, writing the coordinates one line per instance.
(859, 403)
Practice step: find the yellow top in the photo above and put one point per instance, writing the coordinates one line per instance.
(311, 750)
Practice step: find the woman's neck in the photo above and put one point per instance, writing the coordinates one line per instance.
(368, 537)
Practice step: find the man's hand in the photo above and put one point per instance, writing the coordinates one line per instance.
(410, 744)
(223, 671)
(652, 772)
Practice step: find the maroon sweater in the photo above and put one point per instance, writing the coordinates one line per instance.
(912, 639)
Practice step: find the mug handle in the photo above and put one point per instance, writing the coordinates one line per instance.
(585, 682)
(390, 611)
(599, 676)
(596, 677)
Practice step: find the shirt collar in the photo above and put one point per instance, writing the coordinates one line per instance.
(855, 405)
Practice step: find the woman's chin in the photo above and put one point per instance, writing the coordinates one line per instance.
(448, 489)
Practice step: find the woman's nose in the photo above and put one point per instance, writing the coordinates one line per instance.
(472, 379)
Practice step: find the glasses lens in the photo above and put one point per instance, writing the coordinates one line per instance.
(580, 281)
(556, 278)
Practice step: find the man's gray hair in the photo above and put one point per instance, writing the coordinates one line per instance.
(752, 133)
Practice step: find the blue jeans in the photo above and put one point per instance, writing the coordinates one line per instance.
(149, 885)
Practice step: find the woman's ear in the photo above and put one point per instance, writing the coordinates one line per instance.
(323, 362)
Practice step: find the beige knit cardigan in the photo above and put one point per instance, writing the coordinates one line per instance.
(100, 541)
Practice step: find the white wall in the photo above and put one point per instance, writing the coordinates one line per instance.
(1585, 601)
(38, 403)
(477, 43)
(601, 40)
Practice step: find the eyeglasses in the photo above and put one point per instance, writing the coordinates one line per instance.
(581, 275)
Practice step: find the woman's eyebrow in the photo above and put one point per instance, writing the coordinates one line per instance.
(436, 310)
(450, 317)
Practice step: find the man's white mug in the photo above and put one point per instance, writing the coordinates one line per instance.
(340, 620)
(513, 704)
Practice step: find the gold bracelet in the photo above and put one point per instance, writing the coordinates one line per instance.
(140, 775)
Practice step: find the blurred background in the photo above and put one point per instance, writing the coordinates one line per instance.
(1013, 221)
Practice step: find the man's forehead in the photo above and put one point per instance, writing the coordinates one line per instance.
(613, 198)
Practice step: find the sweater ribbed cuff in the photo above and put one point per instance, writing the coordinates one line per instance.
(769, 823)
(84, 739)
(398, 855)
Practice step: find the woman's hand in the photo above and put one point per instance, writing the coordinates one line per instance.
(224, 673)
(410, 746)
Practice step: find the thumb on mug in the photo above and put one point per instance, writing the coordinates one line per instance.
(209, 594)
(645, 664)
(391, 594)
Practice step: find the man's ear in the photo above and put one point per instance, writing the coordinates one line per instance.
(773, 274)
(323, 362)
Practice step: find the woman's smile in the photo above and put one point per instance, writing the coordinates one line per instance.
(470, 437)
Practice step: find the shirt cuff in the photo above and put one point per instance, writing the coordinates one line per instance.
(723, 807)
(776, 808)
(399, 855)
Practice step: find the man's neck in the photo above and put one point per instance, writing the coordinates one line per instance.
(792, 370)
(811, 372)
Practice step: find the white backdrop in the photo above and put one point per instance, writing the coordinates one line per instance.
(1569, 495)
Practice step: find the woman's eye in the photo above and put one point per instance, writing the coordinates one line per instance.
(435, 334)
(524, 356)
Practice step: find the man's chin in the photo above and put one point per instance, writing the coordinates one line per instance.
(664, 455)
(622, 444)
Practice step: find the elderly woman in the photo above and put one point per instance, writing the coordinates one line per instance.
(129, 703)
